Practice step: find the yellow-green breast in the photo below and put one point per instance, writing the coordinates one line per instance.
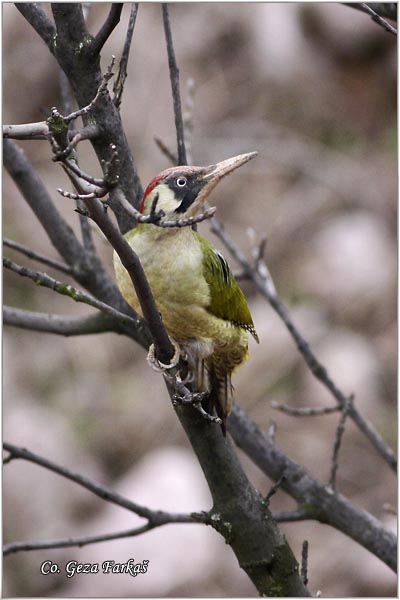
(194, 289)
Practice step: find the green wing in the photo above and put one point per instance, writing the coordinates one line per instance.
(227, 299)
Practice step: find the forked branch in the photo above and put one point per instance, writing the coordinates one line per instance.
(264, 282)
(155, 518)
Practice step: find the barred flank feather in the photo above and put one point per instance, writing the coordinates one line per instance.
(220, 396)
(219, 384)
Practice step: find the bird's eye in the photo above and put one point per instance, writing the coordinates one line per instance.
(181, 181)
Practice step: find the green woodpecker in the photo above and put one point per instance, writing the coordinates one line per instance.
(202, 307)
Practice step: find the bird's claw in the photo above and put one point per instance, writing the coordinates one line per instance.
(157, 365)
(193, 398)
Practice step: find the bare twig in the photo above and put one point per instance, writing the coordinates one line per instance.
(292, 516)
(73, 166)
(103, 492)
(206, 214)
(155, 517)
(264, 282)
(123, 65)
(155, 217)
(373, 14)
(86, 230)
(316, 497)
(65, 324)
(101, 90)
(304, 562)
(188, 120)
(26, 131)
(86, 133)
(336, 446)
(305, 411)
(88, 270)
(166, 151)
(259, 253)
(96, 193)
(38, 198)
(274, 488)
(55, 264)
(15, 547)
(45, 280)
(174, 76)
(107, 28)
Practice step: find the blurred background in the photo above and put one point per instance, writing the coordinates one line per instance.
(312, 88)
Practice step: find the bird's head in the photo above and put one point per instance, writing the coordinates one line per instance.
(182, 191)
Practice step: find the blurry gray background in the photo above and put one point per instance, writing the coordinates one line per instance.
(312, 87)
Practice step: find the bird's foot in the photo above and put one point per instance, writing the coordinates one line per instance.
(195, 399)
(189, 398)
(157, 365)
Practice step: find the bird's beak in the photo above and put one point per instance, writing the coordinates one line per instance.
(218, 171)
(212, 174)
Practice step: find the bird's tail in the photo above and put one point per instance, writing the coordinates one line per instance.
(220, 393)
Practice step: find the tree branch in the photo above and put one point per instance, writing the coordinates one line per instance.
(371, 10)
(97, 212)
(26, 131)
(293, 516)
(40, 22)
(55, 264)
(106, 30)
(102, 491)
(337, 444)
(35, 193)
(316, 498)
(155, 517)
(174, 77)
(83, 71)
(136, 325)
(263, 280)
(173, 159)
(71, 29)
(155, 217)
(131, 262)
(74, 140)
(88, 271)
(67, 325)
(123, 65)
(384, 9)
(240, 514)
(101, 90)
(304, 562)
(187, 119)
(305, 411)
(15, 547)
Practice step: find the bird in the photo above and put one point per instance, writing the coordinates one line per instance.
(203, 309)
